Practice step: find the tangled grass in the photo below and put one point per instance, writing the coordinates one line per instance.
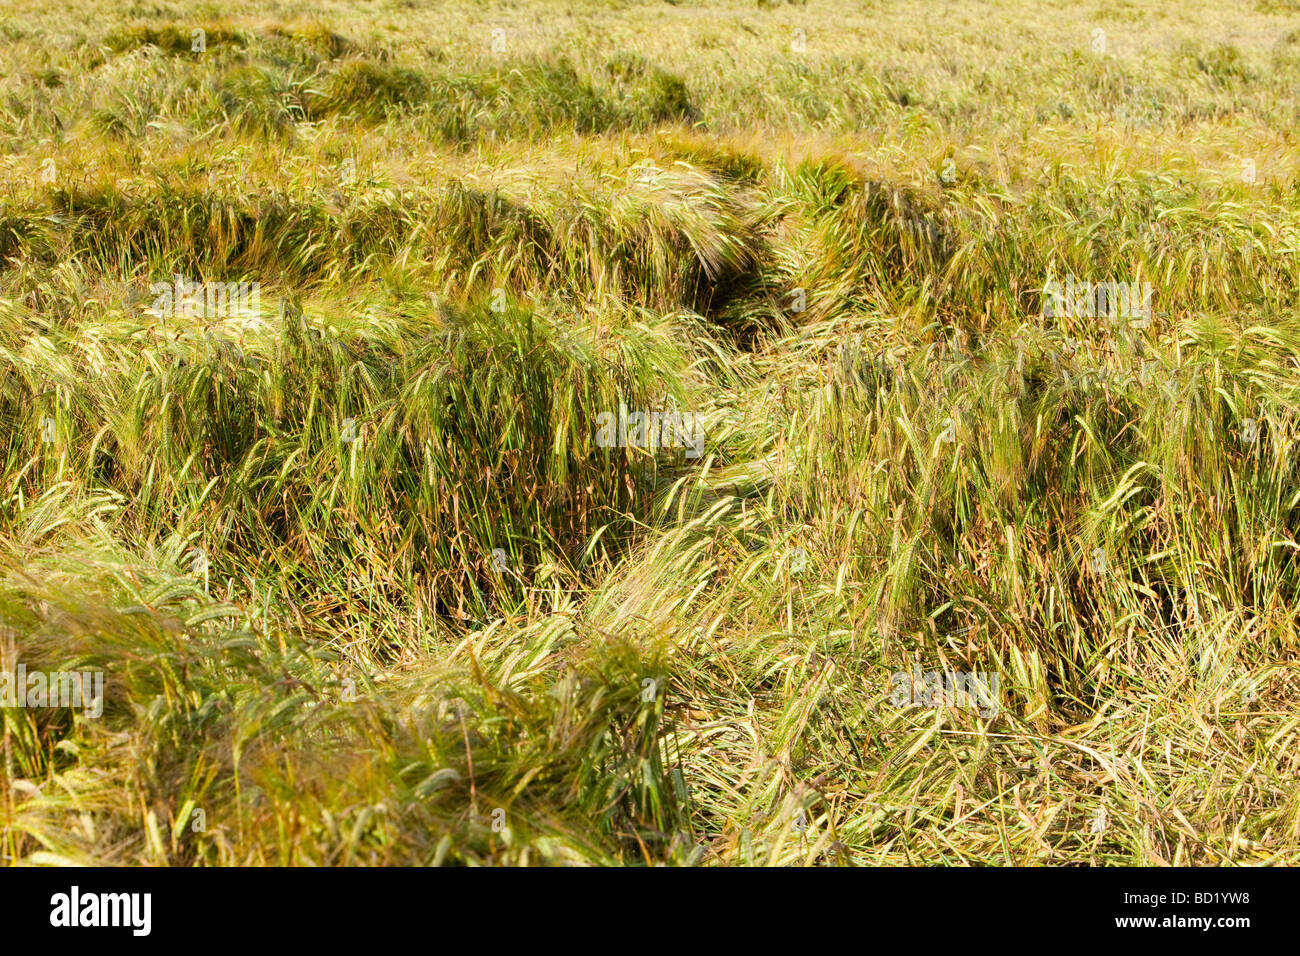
(366, 588)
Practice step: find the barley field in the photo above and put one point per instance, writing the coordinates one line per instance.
(650, 432)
